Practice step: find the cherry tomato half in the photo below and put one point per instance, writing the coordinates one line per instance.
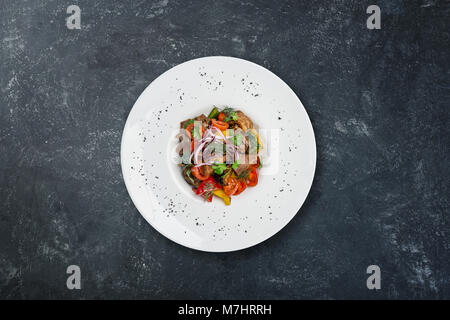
(198, 173)
(241, 187)
(231, 187)
(258, 163)
(222, 116)
(221, 125)
(252, 179)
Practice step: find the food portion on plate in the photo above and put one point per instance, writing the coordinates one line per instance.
(219, 153)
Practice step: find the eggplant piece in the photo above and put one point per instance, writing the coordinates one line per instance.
(232, 124)
(189, 177)
(243, 121)
(241, 168)
(222, 178)
(204, 119)
(206, 170)
(201, 117)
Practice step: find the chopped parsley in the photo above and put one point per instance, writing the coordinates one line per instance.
(231, 114)
(219, 168)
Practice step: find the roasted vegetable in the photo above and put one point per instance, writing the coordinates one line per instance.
(202, 173)
(221, 125)
(221, 194)
(207, 167)
(219, 168)
(208, 185)
(231, 187)
(221, 178)
(242, 186)
(243, 121)
(231, 114)
(252, 179)
(222, 116)
(185, 123)
(207, 196)
(214, 113)
(241, 168)
(189, 177)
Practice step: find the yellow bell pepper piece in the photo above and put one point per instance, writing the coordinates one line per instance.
(259, 141)
(221, 194)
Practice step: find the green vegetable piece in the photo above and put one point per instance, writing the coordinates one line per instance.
(188, 123)
(231, 114)
(214, 113)
(219, 168)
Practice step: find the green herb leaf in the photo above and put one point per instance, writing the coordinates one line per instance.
(231, 114)
(219, 168)
(236, 164)
(227, 110)
(214, 113)
(189, 174)
(188, 123)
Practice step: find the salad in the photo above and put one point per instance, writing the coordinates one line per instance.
(219, 153)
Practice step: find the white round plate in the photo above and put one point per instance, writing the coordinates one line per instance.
(154, 180)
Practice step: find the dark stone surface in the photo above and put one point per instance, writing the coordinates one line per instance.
(378, 100)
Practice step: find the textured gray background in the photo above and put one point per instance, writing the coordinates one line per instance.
(378, 101)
